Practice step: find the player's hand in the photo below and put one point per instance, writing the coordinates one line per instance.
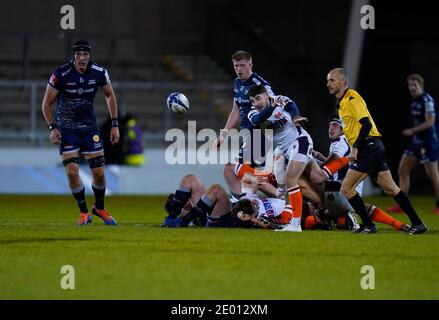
(407, 132)
(114, 135)
(218, 141)
(317, 155)
(261, 177)
(298, 119)
(353, 155)
(280, 101)
(55, 136)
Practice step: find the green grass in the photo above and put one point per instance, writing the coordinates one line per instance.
(140, 260)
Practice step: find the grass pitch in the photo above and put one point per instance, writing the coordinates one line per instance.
(140, 260)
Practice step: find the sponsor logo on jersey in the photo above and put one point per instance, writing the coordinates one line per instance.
(80, 91)
(268, 208)
(96, 138)
(66, 72)
(53, 80)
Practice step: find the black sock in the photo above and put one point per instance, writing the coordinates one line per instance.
(404, 203)
(437, 203)
(99, 192)
(79, 195)
(181, 197)
(201, 210)
(358, 204)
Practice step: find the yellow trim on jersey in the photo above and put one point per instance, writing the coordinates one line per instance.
(352, 109)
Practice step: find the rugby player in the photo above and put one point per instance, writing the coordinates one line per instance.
(423, 147)
(74, 128)
(293, 142)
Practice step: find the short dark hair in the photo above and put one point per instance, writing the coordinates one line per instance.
(242, 55)
(334, 118)
(244, 205)
(255, 90)
(416, 77)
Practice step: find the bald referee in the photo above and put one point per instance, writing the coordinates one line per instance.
(367, 154)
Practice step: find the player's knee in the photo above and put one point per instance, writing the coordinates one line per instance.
(391, 190)
(214, 189)
(188, 180)
(72, 170)
(318, 178)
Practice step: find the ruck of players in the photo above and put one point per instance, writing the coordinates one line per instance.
(301, 188)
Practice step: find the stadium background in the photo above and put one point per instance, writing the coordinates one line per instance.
(152, 48)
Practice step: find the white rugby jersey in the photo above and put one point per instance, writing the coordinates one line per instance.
(268, 207)
(285, 132)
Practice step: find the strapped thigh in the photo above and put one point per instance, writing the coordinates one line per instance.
(96, 162)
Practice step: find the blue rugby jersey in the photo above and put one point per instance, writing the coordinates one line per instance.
(240, 90)
(76, 93)
(420, 107)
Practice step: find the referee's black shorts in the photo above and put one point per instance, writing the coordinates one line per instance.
(371, 158)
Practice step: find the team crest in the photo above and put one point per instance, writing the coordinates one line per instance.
(96, 138)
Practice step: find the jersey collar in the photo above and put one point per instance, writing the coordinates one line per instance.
(339, 100)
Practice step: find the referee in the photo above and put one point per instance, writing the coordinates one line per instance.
(367, 154)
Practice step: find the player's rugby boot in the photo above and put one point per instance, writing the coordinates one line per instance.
(418, 229)
(104, 215)
(84, 218)
(364, 229)
(174, 222)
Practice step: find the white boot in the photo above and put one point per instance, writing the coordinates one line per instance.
(293, 226)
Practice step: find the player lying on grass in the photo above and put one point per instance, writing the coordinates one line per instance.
(212, 207)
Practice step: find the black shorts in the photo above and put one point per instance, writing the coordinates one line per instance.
(225, 221)
(371, 158)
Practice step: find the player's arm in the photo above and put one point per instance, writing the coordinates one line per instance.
(428, 123)
(319, 156)
(48, 100)
(366, 126)
(257, 117)
(110, 97)
(293, 110)
(329, 158)
(232, 122)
